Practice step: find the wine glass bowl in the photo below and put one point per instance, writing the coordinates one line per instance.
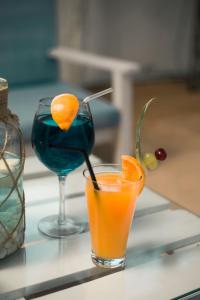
(61, 152)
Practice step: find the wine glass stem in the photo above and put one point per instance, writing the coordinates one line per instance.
(61, 216)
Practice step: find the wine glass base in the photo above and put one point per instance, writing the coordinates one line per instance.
(50, 227)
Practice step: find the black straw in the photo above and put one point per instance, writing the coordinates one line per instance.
(87, 160)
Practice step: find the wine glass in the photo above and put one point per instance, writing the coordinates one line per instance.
(61, 152)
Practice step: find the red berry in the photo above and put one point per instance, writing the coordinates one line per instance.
(160, 154)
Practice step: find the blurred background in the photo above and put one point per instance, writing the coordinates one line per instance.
(161, 37)
(158, 35)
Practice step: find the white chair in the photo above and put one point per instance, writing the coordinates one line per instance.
(122, 76)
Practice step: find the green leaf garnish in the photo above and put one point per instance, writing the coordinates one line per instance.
(138, 151)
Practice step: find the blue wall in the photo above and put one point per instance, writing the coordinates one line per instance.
(27, 31)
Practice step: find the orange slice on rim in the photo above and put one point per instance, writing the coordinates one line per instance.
(64, 109)
(132, 170)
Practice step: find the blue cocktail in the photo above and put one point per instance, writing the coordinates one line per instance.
(49, 142)
(61, 152)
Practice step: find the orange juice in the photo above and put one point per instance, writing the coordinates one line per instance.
(110, 212)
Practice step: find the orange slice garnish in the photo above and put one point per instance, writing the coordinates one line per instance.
(132, 170)
(64, 109)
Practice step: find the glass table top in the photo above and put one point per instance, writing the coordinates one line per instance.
(44, 265)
